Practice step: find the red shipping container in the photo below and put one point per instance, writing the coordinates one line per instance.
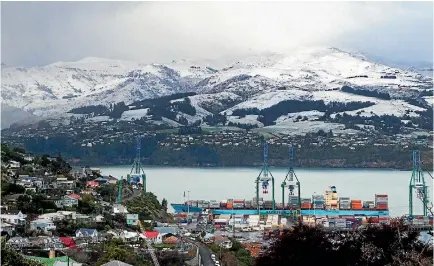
(380, 195)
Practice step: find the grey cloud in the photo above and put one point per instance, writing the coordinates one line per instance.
(37, 33)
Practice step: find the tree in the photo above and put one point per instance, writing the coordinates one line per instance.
(381, 245)
(164, 203)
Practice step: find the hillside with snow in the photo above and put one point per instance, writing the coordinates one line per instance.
(261, 82)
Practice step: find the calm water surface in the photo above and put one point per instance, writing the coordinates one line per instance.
(239, 183)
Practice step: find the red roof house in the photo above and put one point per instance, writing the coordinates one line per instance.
(155, 237)
(68, 242)
(74, 196)
(92, 184)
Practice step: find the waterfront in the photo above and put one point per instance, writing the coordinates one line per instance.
(238, 183)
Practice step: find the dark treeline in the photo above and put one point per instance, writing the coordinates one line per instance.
(214, 120)
(268, 115)
(369, 93)
(164, 100)
(387, 124)
(242, 155)
(114, 110)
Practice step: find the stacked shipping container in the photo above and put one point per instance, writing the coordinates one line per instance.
(381, 202)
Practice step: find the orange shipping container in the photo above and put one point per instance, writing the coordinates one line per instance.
(229, 205)
(356, 201)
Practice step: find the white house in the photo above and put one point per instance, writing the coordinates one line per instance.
(85, 232)
(42, 224)
(118, 208)
(13, 217)
(14, 165)
(154, 237)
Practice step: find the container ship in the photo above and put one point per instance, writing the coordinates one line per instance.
(328, 204)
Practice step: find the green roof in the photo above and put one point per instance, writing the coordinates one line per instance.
(50, 262)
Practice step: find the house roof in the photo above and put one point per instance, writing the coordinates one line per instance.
(52, 261)
(86, 231)
(116, 263)
(166, 230)
(11, 212)
(151, 234)
(74, 196)
(68, 242)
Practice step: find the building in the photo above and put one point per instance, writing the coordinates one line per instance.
(8, 228)
(66, 201)
(132, 219)
(118, 208)
(68, 242)
(154, 237)
(85, 232)
(42, 224)
(13, 217)
(14, 165)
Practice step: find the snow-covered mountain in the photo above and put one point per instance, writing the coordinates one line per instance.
(258, 81)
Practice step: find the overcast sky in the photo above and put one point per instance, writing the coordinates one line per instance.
(38, 33)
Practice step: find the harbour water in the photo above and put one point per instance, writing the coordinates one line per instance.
(239, 183)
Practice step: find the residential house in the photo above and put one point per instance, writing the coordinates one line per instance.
(82, 218)
(19, 242)
(92, 184)
(85, 232)
(13, 217)
(154, 237)
(112, 180)
(63, 182)
(132, 219)
(14, 165)
(65, 201)
(101, 180)
(8, 228)
(74, 196)
(99, 219)
(167, 230)
(169, 239)
(96, 170)
(29, 158)
(118, 208)
(46, 243)
(68, 242)
(42, 224)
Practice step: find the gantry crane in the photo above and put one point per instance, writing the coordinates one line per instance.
(417, 184)
(289, 182)
(137, 167)
(264, 177)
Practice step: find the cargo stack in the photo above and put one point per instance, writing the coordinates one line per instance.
(318, 202)
(331, 199)
(293, 202)
(306, 204)
(203, 204)
(268, 204)
(344, 204)
(213, 204)
(248, 204)
(340, 223)
(381, 202)
(279, 205)
(356, 205)
(261, 203)
(368, 205)
(224, 204)
(238, 204)
(230, 204)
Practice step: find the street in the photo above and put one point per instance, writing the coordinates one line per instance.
(204, 252)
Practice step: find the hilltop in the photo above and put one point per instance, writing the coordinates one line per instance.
(246, 91)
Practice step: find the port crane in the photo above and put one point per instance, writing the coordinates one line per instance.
(418, 185)
(148, 244)
(138, 172)
(264, 178)
(137, 167)
(289, 182)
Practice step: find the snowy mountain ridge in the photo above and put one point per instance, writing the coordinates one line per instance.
(260, 80)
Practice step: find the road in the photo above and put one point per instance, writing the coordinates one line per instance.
(204, 252)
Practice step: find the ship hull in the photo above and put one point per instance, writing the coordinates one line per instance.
(183, 208)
